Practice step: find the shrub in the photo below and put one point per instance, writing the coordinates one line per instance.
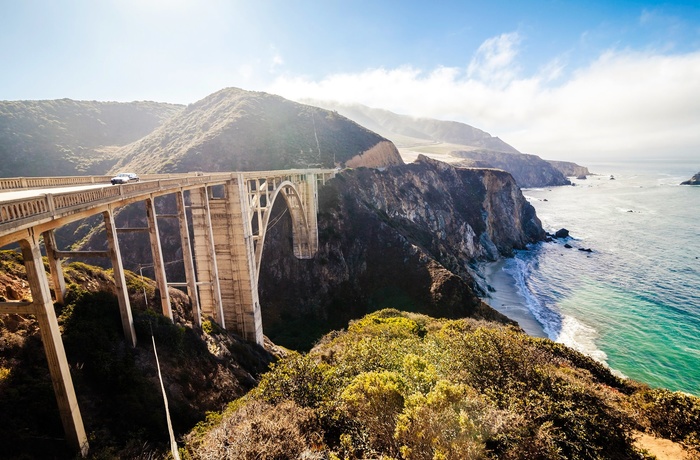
(261, 431)
(450, 422)
(374, 400)
(297, 378)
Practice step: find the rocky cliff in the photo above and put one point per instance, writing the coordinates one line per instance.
(528, 170)
(570, 169)
(405, 237)
(695, 180)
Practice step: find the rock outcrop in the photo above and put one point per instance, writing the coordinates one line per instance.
(405, 237)
(695, 180)
(570, 169)
(528, 170)
(381, 155)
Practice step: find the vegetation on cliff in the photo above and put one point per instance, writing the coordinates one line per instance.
(403, 385)
(393, 385)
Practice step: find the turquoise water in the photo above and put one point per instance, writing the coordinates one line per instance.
(634, 301)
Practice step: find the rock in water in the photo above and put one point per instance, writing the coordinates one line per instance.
(695, 180)
(562, 233)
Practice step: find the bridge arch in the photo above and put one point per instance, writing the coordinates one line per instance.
(301, 231)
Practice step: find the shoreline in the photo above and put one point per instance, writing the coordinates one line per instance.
(507, 299)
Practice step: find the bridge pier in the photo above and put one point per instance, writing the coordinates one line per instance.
(190, 276)
(43, 310)
(245, 306)
(59, 283)
(119, 280)
(157, 253)
(205, 256)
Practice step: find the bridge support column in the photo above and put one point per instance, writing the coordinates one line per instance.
(158, 264)
(119, 280)
(53, 346)
(310, 200)
(59, 283)
(190, 276)
(246, 304)
(205, 255)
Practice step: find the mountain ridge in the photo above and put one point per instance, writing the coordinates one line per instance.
(456, 142)
(239, 130)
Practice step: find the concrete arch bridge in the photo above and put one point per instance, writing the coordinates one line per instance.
(229, 213)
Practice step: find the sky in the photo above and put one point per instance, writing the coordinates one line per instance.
(569, 80)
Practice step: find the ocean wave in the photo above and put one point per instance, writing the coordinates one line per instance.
(550, 320)
(581, 337)
(560, 328)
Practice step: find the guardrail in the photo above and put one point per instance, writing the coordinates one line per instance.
(16, 183)
(20, 183)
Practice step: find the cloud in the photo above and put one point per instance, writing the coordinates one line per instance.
(276, 60)
(494, 60)
(622, 104)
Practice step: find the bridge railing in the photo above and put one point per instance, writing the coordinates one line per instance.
(19, 183)
(14, 213)
(15, 183)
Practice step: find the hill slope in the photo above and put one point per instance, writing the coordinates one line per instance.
(456, 142)
(237, 130)
(66, 137)
(406, 131)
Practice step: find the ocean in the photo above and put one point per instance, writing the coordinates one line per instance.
(633, 301)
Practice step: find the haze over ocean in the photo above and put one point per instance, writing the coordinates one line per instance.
(634, 301)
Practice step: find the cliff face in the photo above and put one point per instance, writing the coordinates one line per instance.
(570, 169)
(403, 237)
(381, 155)
(528, 170)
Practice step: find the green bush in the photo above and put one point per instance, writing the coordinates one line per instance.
(300, 379)
(375, 400)
(450, 422)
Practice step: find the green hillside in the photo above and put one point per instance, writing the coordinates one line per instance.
(67, 137)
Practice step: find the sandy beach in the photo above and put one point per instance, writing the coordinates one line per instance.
(507, 299)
